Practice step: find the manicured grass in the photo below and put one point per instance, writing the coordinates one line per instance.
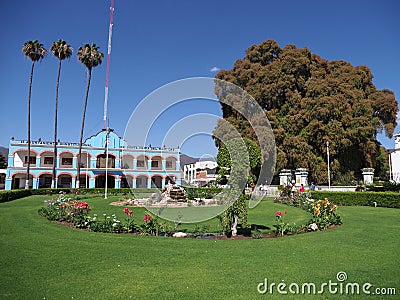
(40, 259)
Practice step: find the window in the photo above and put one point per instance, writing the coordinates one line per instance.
(168, 164)
(48, 160)
(140, 163)
(32, 160)
(65, 180)
(66, 161)
(154, 164)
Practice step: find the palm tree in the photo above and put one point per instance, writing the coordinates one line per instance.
(61, 50)
(91, 57)
(35, 52)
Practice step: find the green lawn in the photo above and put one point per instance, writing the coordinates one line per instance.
(43, 260)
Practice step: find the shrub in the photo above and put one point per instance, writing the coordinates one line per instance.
(382, 199)
(6, 196)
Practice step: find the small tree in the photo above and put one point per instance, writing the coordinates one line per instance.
(234, 154)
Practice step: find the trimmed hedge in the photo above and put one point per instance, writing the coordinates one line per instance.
(382, 199)
(6, 196)
(16, 194)
(193, 192)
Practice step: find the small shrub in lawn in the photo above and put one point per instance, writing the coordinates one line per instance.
(256, 233)
(200, 230)
(150, 226)
(65, 209)
(109, 224)
(324, 214)
(281, 227)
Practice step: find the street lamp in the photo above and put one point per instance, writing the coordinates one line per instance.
(329, 171)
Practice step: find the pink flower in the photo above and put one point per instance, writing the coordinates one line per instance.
(146, 218)
(278, 214)
(126, 210)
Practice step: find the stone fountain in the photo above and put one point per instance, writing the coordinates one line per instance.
(172, 194)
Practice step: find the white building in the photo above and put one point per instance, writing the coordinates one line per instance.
(394, 159)
(200, 173)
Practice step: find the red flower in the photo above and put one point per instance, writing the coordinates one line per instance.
(146, 218)
(278, 214)
(128, 212)
(285, 212)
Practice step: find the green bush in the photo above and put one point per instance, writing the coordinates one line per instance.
(382, 199)
(384, 187)
(13, 194)
(208, 193)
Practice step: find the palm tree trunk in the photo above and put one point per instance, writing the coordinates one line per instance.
(29, 128)
(78, 167)
(54, 182)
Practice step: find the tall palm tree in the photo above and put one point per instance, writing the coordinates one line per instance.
(90, 56)
(35, 52)
(61, 50)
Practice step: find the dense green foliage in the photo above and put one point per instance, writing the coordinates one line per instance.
(206, 193)
(254, 153)
(310, 101)
(382, 199)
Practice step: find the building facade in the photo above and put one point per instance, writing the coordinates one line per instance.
(124, 165)
(394, 160)
(200, 173)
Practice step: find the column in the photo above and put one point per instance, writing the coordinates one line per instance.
(149, 183)
(74, 162)
(93, 162)
(73, 183)
(10, 160)
(118, 182)
(92, 182)
(163, 182)
(8, 184)
(37, 165)
(285, 177)
(35, 183)
(163, 165)
(134, 163)
(57, 161)
(368, 174)
(149, 164)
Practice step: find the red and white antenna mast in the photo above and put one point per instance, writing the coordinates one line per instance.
(108, 64)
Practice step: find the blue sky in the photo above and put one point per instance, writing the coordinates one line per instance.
(157, 42)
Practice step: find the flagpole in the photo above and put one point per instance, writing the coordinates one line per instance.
(107, 142)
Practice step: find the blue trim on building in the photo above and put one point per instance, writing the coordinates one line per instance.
(128, 166)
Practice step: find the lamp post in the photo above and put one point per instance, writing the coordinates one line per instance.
(329, 171)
